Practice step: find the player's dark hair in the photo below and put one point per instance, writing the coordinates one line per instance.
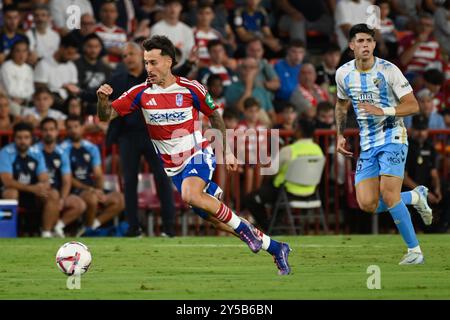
(48, 120)
(361, 28)
(212, 78)
(91, 36)
(231, 113)
(434, 76)
(37, 7)
(251, 102)
(15, 44)
(164, 44)
(214, 43)
(306, 127)
(22, 126)
(204, 6)
(380, 2)
(332, 48)
(69, 41)
(74, 118)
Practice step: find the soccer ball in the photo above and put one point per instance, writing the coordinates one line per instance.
(73, 258)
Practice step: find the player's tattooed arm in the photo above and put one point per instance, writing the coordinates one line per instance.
(104, 110)
(217, 123)
(341, 115)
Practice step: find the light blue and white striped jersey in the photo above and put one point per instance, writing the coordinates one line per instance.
(382, 86)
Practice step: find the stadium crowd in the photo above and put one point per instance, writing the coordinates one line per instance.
(265, 63)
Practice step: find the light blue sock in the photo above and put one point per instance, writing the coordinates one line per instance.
(402, 220)
(406, 198)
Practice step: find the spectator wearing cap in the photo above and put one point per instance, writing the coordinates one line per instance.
(251, 22)
(61, 16)
(308, 94)
(288, 69)
(178, 32)
(420, 51)
(44, 41)
(10, 31)
(421, 169)
(427, 109)
(300, 16)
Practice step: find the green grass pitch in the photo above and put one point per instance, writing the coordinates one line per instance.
(324, 267)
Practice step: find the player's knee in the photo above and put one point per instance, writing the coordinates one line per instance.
(191, 198)
(53, 195)
(90, 199)
(368, 206)
(77, 203)
(390, 198)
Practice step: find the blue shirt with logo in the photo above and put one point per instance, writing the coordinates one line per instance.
(57, 163)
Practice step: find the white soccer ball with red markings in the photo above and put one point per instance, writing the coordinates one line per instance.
(73, 258)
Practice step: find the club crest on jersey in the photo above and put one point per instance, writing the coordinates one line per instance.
(31, 165)
(377, 82)
(179, 100)
(56, 163)
(87, 157)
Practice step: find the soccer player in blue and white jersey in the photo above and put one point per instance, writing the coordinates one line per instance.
(23, 176)
(60, 175)
(88, 179)
(380, 96)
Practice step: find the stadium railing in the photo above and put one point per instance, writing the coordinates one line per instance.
(335, 189)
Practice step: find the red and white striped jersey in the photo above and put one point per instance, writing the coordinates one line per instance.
(172, 118)
(426, 55)
(112, 37)
(201, 41)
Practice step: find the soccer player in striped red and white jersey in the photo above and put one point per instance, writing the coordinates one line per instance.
(170, 106)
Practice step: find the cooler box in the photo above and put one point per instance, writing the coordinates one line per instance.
(8, 218)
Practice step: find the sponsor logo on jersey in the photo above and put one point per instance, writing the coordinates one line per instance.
(167, 117)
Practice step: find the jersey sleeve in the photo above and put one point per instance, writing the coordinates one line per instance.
(5, 162)
(129, 101)
(340, 85)
(41, 167)
(95, 153)
(205, 102)
(65, 163)
(399, 84)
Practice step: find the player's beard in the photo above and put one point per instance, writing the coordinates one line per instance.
(48, 140)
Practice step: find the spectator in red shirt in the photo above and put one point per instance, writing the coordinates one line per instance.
(308, 94)
(420, 51)
(113, 36)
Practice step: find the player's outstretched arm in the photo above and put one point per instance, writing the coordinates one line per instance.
(104, 110)
(341, 122)
(408, 106)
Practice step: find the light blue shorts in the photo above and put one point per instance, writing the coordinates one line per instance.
(386, 160)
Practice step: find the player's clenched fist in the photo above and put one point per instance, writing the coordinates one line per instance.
(104, 91)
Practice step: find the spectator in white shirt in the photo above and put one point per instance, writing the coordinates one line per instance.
(61, 15)
(58, 72)
(43, 101)
(178, 32)
(17, 76)
(44, 41)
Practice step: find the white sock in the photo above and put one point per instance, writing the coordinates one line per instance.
(96, 224)
(60, 224)
(46, 234)
(415, 249)
(414, 197)
(266, 242)
(235, 221)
